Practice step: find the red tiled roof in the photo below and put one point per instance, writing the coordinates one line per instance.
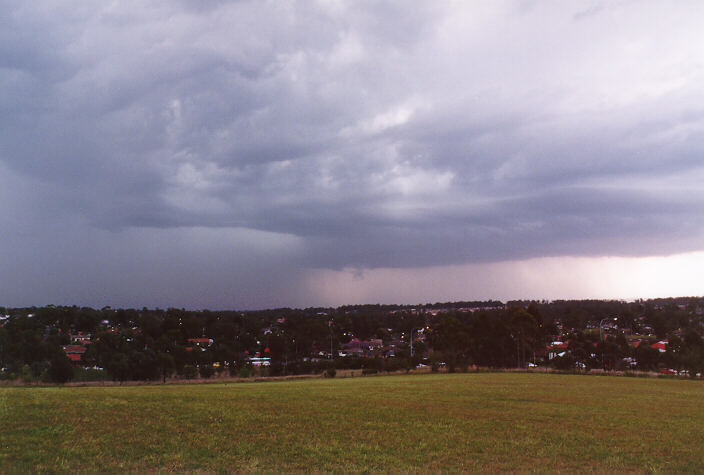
(74, 357)
(74, 349)
(200, 340)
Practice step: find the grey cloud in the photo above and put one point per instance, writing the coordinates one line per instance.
(376, 134)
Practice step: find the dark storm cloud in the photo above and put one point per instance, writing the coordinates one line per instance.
(350, 134)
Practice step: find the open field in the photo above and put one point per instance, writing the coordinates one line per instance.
(484, 421)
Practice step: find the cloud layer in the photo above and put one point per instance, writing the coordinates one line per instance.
(285, 136)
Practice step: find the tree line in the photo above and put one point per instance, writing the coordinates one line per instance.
(152, 344)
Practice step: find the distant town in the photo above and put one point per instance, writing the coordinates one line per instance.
(57, 344)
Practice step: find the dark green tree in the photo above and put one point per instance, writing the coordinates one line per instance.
(449, 337)
(60, 369)
(166, 364)
(526, 331)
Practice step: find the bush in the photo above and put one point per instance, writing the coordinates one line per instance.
(330, 373)
(563, 363)
(370, 371)
(89, 374)
(434, 363)
(189, 372)
(206, 371)
(395, 364)
(244, 372)
(26, 374)
(38, 367)
(276, 368)
(301, 367)
(60, 369)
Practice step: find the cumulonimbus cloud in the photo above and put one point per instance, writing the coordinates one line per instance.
(376, 134)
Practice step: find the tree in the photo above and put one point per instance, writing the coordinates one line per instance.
(581, 349)
(60, 369)
(526, 331)
(166, 365)
(449, 336)
(693, 353)
(611, 350)
(673, 355)
(118, 366)
(646, 356)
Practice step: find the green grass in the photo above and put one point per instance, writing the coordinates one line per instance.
(484, 421)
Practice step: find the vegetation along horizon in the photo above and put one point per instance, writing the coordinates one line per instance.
(475, 421)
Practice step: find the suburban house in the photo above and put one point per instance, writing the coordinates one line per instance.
(75, 353)
(661, 346)
(357, 347)
(556, 348)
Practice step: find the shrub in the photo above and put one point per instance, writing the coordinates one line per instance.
(60, 369)
(330, 373)
(89, 374)
(189, 372)
(395, 364)
(434, 363)
(5, 374)
(26, 374)
(38, 367)
(206, 371)
(276, 368)
(244, 372)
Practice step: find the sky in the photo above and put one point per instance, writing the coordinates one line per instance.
(257, 154)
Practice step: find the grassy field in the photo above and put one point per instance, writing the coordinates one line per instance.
(481, 421)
